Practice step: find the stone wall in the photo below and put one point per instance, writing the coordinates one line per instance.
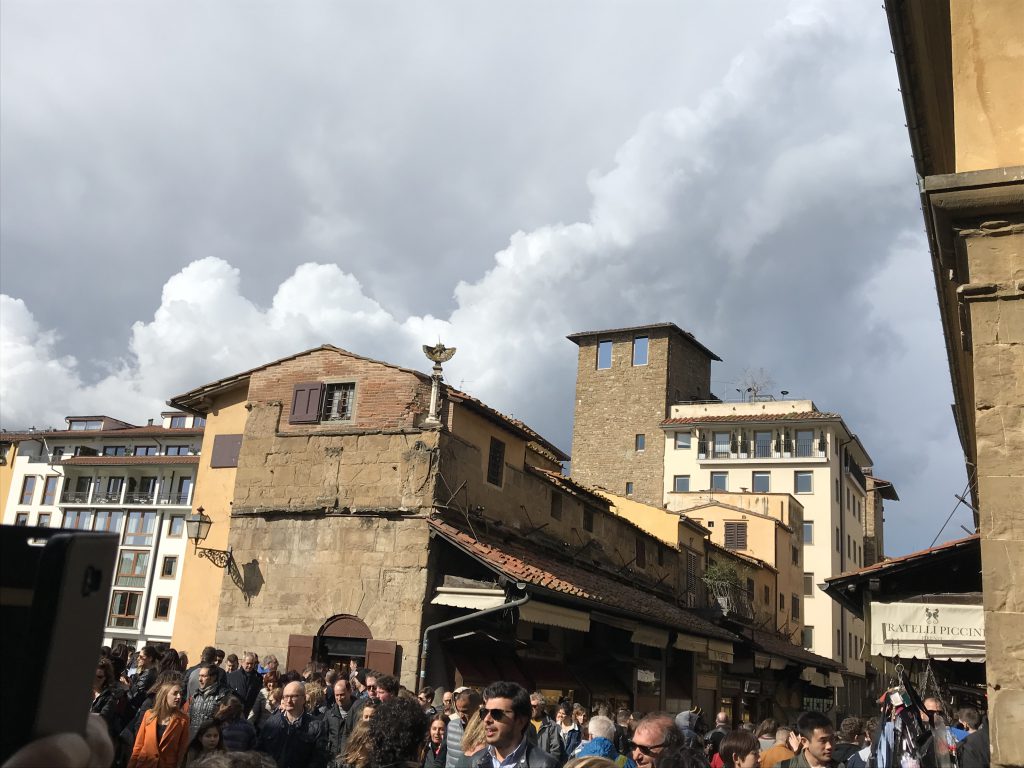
(996, 258)
(312, 568)
(614, 405)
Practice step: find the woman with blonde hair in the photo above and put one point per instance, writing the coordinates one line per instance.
(162, 740)
(473, 741)
(314, 698)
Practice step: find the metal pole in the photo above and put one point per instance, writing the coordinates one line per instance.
(476, 614)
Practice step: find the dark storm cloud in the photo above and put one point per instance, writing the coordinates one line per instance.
(756, 190)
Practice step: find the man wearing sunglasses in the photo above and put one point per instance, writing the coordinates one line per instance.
(655, 735)
(506, 717)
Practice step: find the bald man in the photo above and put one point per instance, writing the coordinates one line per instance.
(292, 736)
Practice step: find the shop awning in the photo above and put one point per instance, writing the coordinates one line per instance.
(468, 597)
(720, 651)
(650, 636)
(692, 644)
(555, 616)
(928, 631)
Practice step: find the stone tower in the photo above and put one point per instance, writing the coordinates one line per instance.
(626, 380)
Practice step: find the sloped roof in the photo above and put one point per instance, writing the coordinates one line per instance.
(570, 486)
(754, 417)
(81, 435)
(575, 337)
(521, 562)
(117, 461)
(778, 646)
(508, 422)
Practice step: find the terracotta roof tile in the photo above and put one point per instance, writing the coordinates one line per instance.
(802, 416)
(520, 561)
(117, 461)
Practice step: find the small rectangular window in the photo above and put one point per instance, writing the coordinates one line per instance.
(176, 450)
(767, 595)
(808, 584)
(809, 532)
(556, 505)
(305, 403)
(115, 450)
(803, 482)
(839, 541)
(21, 518)
(163, 608)
(640, 350)
(124, 610)
(629, 489)
(641, 553)
(640, 442)
(808, 637)
(57, 454)
(28, 489)
(849, 550)
(588, 519)
(177, 422)
(338, 402)
(145, 450)
(735, 535)
(720, 481)
(198, 422)
(681, 484)
(496, 462)
(176, 527)
(131, 569)
(837, 490)
(723, 444)
(782, 602)
(604, 355)
(43, 520)
(796, 555)
(682, 441)
(762, 482)
(169, 567)
(795, 606)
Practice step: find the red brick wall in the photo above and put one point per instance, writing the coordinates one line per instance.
(386, 398)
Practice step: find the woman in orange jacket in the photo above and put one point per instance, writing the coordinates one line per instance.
(162, 740)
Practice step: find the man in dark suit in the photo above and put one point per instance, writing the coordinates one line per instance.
(246, 681)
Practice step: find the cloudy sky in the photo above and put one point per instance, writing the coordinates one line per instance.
(191, 189)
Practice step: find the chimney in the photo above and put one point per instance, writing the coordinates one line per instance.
(149, 423)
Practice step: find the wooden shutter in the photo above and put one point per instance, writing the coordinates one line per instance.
(300, 652)
(735, 535)
(225, 450)
(306, 403)
(380, 656)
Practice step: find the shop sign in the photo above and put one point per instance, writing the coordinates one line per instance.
(812, 704)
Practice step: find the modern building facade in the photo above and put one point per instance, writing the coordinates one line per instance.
(103, 474)
(789, 447)
(959, 65)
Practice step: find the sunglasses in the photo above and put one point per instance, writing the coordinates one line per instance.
(643, 749)
(497, 715)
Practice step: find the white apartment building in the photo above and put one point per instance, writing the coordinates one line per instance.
(784, 446)
(102, 474)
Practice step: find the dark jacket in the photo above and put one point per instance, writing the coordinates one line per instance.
(973, 752)
(334, 719)
(112, 706)
(238, 735)
(203, 705)
(548, 739)
(435, 759)
(247, 685)
(570, 740)
(842, 751)
(800, 761)
(532, 757)
(139, 688)
(302, 744)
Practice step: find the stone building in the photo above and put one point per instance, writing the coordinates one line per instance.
(878, 492)
(358, 524)
(626, 381)
(959, 65)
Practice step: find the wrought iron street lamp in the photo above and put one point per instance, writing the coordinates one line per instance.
(197, 526)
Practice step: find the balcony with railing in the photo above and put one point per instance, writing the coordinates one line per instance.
(730, 599)
(858, 476)
(761, 450)
(174, 498)
(74, 497)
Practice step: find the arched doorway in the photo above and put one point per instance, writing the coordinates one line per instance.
(341, 639)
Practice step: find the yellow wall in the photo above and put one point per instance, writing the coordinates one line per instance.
(195, 623)
(988, 68)
(478, 431)
(6, 473)
(656, 521)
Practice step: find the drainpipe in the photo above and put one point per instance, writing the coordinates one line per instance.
(451, 622)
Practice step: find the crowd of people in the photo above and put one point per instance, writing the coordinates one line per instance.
(238, 712)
